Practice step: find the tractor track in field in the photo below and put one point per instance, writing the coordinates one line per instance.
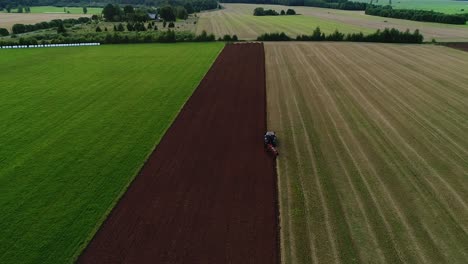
(207, 193)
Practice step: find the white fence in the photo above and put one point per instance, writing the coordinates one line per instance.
(49, 45)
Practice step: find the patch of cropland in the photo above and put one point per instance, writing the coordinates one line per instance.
(8, 20)
(460, 46)
(238, 19)
(444, 6)
(206, 194)
(76, 125)
(55, 10)
(373, 148)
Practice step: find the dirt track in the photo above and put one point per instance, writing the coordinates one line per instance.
(206, 194)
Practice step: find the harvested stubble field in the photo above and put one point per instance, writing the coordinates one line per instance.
(207, 193)
(373, 165)
(76, 125)
(8, 20)
(238, 19)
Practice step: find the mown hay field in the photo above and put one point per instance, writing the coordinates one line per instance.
(373, 165)
(238, 19)
(76, 125)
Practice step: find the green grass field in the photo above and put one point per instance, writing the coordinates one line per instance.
(445, 6)
(373, 165)
(62, 10)
(76, 124)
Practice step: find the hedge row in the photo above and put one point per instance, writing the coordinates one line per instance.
(416, 15)
(169, 36)
(21, 28)
(385, 36)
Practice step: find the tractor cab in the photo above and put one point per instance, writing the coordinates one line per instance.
(270, 138)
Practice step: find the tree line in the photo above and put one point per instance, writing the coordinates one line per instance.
(334, 4)
(385, 36)
(337, 4)
(416, 15)
(21, 28)
(190, 5)
(169, 36)
(260, 11)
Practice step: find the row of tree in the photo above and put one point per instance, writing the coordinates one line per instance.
(260, 11)
(335, 4)
(338, 4)
(114, 13)
(21, 28)
(416, 15)
(112, 38)
(138, 26)
(191, 5)
(385, 36)
(20, 9)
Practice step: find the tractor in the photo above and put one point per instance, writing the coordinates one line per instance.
(270, 142)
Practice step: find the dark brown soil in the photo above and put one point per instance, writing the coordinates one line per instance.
(207, 193)
(460, 46)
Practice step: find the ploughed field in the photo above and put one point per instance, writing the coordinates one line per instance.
(76, 125)
(239, 19)
(207, 192)
(373, 165)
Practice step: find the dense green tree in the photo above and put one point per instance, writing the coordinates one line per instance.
(170, 25)
(20, 9)
(61, 29)
(189, 7)
(4, 32)
(128, 9)
(120, 27)
(290, 12)
(112, 12)
(98, 29)
(282, 13)
(85, 10)
(18, 28)
(167, 13)
(181, 12)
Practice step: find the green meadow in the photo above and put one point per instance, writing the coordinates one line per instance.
(76, 125)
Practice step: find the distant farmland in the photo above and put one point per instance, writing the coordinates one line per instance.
(238, 19)
(373, 165)
(8, 20)
(60, 10)
(76, 124)
(445, 6)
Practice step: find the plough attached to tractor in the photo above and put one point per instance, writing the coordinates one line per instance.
(271, 143)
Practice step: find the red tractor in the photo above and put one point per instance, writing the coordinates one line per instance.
(270, 142)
